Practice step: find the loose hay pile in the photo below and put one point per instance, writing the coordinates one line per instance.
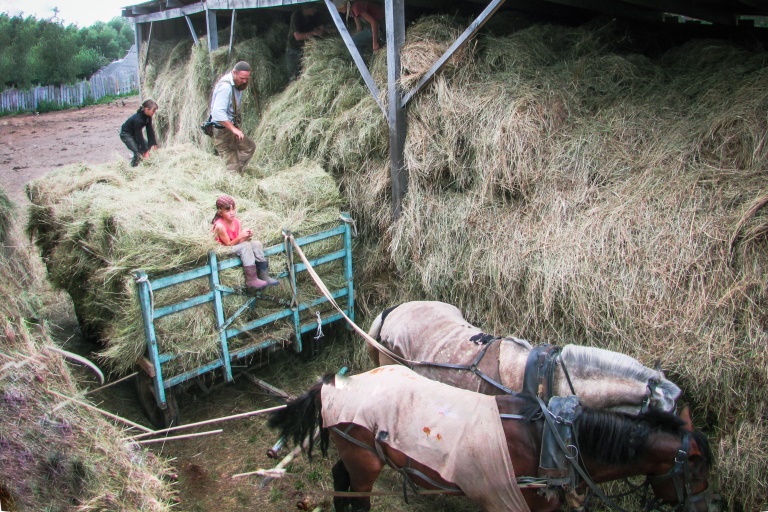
(95, 226)
(565, 187)
(51, 457)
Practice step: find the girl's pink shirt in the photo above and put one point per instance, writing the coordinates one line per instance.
(232, 233)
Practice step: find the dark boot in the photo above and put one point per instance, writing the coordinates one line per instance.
(263, 267)
(252, 278)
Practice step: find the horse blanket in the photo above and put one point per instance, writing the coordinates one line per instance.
(436, 332)
(456, 432)
(450, 342)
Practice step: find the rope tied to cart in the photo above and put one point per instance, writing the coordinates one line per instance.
(324, 290)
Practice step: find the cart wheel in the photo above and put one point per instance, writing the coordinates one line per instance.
(160, 418)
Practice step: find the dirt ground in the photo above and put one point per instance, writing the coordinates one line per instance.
(33, 145)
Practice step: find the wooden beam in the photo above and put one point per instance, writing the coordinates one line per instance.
(612, 8)
(689, 9)
(460, 42)
(212, 28)
(168, 14)
(192, 29)
(395, 19)
(355, 53)
(231, 34)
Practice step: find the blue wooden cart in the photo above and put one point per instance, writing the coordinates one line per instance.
(156, 392)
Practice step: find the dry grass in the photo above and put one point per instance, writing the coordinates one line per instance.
(57, 457)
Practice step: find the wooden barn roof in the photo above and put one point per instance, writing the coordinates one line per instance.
(717, 12)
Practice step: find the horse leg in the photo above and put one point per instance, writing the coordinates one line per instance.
(341, 483)
(357, 470)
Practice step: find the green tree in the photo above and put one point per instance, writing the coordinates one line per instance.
(49, 53)
(87, 62)
(52, 57)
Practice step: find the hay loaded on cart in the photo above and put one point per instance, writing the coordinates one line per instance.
(134, 250)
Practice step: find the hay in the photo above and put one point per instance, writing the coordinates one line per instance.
(566, 187)
(96, 225)
(327, 115)
(70, 459)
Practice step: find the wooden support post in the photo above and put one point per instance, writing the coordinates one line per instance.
(192, 29)
(231, 34)
(149, 45)
(395, 18)
(138, 30)
(212, 29)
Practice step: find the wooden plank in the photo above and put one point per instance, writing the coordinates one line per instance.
(146, 366)
(688, 9)
(613, 8)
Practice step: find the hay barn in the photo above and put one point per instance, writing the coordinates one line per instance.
(590, 172)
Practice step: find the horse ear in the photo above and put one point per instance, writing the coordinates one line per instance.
(685, 415)
(657, 366)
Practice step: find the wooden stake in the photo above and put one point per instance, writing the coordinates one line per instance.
(105, 413)
(176, 438)
(208, 422)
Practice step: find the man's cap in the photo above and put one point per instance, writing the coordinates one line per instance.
(242, 66)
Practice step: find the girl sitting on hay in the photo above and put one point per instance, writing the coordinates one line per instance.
(226, 228)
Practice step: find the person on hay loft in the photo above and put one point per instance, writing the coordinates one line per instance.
(226, 228)
(373, 14)
(305, 24)
(231, 143)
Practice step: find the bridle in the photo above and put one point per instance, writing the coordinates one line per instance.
(680, 473)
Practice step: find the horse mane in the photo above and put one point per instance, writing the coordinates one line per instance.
(615, 438)
(579, 359)
(301, 416)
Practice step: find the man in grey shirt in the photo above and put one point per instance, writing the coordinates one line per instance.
(232, 144)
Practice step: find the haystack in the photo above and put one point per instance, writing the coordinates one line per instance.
(57, 457)
(97, 225)
(567, 187)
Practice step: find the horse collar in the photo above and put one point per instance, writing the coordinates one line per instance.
(539, 376)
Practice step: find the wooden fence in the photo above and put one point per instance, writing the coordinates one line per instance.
(14, 100)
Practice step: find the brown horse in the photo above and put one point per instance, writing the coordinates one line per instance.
(435, 340)
(488, 447)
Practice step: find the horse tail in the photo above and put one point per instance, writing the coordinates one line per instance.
(301, 417)
(375, 333)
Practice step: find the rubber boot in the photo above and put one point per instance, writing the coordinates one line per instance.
(252, 280)
(263, 267)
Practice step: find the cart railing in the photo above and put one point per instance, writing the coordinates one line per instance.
(153, 363)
